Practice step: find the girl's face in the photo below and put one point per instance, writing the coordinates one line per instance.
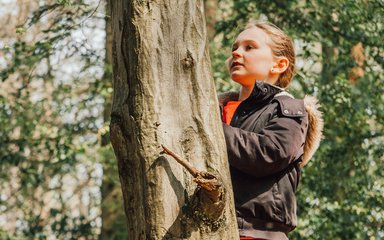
(252, 58)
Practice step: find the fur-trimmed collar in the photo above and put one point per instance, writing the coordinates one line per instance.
(315, 128)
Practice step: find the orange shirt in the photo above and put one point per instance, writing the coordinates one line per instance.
(229, 110)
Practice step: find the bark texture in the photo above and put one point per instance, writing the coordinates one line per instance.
(113, 219)
(164, 94)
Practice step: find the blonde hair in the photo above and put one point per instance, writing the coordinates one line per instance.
(281, 46)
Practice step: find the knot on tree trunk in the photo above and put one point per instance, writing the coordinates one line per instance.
(188, 61)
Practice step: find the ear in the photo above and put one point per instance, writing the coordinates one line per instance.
(281, 64)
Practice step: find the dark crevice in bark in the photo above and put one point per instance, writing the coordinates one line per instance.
(188, 61)
(198, 212)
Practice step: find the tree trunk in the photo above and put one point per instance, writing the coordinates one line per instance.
(164, 94)
(112, 217)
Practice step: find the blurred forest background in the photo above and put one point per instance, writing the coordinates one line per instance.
(58, 174)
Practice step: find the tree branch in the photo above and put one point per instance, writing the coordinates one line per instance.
(191, 169)
(207, 181)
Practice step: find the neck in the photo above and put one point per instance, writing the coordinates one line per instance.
(245, 92)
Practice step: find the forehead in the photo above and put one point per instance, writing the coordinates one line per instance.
(255, 34)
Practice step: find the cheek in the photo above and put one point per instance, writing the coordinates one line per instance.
(260, 68)
(261, 63)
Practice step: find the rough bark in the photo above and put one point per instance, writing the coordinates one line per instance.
(164, 94)
(112, 217)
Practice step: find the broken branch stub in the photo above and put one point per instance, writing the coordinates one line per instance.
(211, 184)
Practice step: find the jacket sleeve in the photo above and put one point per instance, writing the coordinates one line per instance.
(268, 151)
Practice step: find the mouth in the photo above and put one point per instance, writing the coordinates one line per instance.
(235, 63)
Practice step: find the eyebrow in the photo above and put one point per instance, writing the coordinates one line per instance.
(246, 41)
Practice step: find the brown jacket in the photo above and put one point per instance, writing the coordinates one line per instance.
(267, 143)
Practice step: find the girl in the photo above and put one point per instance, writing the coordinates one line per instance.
(269, 134)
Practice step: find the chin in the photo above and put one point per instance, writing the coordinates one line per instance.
(236, 77)
(242, 80)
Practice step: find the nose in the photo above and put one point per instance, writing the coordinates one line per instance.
(236, 53)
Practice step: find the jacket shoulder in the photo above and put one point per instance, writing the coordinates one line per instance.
(290, 107)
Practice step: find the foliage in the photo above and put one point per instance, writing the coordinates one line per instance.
(51, 119)
(51, 102)
(342, 192)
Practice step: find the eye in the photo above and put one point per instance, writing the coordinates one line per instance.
(234, 47)
(249, 47)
